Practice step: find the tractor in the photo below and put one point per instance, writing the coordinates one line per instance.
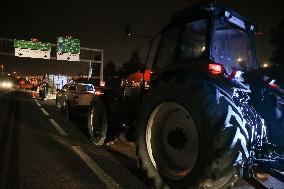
(208, 117)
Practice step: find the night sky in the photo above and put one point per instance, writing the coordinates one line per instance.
(100, 24)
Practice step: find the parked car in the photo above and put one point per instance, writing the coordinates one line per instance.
(75, 98)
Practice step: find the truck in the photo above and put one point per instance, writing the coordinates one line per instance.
(74, 97)
(208, 116)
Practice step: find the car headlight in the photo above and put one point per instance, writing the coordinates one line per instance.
(3, 84)
(9, 85)
(6, 85)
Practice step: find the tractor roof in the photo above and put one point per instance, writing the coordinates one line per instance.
(202, 10)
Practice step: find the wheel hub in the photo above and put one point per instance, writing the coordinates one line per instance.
(172, 140)
(177, 139)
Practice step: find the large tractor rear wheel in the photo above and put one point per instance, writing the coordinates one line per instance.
(187, 139)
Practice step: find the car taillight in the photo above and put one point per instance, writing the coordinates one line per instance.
(98, 92)
(216, 69)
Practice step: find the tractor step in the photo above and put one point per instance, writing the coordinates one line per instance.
(273, 172)
(271, 168)
(256, 183)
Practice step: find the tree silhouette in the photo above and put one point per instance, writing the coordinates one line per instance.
(134, 64)
(277, 41)
(109, 69)
(96, 70)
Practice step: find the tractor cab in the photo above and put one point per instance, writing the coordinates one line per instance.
(211, 37)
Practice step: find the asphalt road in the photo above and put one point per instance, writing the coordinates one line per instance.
(40, 148)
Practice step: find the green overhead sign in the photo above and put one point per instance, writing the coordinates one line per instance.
(22, 44)
(67, 49)
(68, 45)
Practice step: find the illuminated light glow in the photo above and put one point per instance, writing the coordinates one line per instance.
(203, 48)
(265, 65)
(274, 85)
(215, 69)
(272, 81)
(98, 93)
(6, 85)
(102, 83)
(34, 40)
(235, 20)
(239, 59)
(238, 74)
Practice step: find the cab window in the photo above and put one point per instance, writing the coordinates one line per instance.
(166, 52)
(193, 40)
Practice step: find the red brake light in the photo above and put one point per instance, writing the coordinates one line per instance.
(273, 85)
(98, 92)
(216, 69)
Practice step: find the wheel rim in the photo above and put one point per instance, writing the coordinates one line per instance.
(172, 140)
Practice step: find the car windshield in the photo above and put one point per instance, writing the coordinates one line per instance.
(232, 47)
(85, 88)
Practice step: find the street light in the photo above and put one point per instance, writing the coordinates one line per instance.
(265, 65)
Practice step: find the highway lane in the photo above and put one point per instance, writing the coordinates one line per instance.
(123, 150)
(40, 148)
(35, 153)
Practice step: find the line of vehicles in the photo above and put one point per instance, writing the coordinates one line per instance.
(206, 117)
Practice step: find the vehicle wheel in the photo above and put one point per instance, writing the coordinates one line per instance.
(67, 110)
(187, 139)
(58, 104)
(97, 124)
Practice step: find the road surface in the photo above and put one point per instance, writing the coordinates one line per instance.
(40, 148)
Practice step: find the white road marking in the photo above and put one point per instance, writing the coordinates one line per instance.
(44, 112)
(1, 94)
(38, 104)
(99, 172)
(57, 127)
